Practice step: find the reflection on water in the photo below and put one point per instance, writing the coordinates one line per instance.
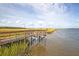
(39, 50)
(61, 42)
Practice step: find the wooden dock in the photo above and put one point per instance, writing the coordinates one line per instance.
(30, 35)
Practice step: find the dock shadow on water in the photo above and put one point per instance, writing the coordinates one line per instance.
(39, 49)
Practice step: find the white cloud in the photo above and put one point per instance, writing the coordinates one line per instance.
(18, 21)
(53, 15)
(48, 15)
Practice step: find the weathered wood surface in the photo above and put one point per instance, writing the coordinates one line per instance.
(26, 34)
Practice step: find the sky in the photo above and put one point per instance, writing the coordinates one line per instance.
(39, 15)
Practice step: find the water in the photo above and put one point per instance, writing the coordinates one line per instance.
(61, 42)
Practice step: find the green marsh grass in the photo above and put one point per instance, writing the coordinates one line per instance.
(14, 49)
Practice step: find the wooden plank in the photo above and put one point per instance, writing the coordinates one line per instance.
(5, 41)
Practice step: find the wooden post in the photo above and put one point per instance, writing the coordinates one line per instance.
(31, 41)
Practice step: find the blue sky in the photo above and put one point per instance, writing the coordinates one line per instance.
(40, 15)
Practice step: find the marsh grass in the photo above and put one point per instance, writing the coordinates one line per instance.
(14, 49)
